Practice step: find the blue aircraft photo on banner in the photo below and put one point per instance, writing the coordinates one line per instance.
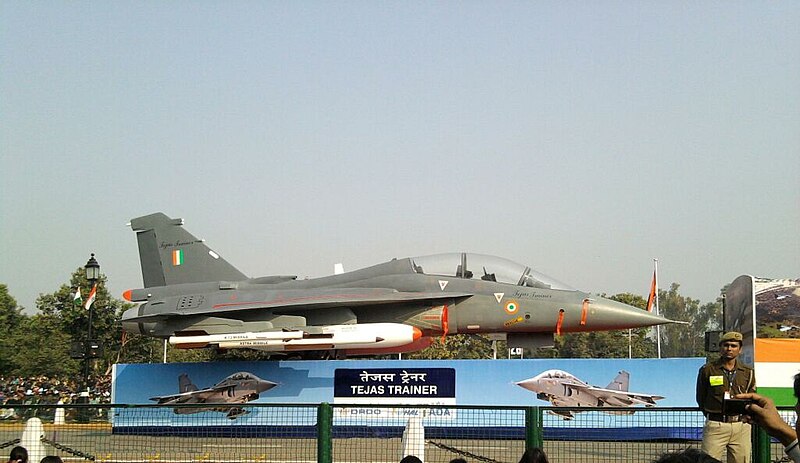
(369, 385)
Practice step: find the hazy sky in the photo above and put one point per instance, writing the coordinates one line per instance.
(581, 138)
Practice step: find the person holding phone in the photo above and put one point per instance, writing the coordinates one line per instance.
(763, 412)
(718, 380)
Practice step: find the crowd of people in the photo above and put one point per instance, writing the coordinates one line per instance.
(43, 390)
(20, 455)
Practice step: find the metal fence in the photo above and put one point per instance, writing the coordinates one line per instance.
(352, 433)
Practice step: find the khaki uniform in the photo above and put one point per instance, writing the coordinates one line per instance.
(723, 432)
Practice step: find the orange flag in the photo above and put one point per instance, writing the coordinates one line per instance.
(652, 297)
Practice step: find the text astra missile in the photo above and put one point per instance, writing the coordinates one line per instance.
(372, 335)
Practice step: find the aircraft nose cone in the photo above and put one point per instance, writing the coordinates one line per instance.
(605, 314)
(265, 385)
(529, 384)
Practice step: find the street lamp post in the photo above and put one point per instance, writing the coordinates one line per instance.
(92, 275)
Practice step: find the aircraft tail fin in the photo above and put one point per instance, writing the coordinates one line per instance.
(171, 255)
(185, 384)
(620, 383)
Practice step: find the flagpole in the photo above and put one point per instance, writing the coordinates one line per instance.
(88, 343)
(658, 327)
(630, 348)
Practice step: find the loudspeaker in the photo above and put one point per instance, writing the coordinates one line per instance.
(94, 349)
(712, 341)
(76, 350)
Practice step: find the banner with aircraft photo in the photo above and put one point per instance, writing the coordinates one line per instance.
(362, 389)
(767, 313)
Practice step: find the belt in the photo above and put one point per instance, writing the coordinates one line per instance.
(724, 418)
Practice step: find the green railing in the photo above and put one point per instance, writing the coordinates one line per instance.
(328, 433)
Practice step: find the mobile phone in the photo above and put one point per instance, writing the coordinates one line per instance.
(735, 406)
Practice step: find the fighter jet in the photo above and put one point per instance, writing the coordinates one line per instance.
(195, 298)
(565, 390)
(237, 388)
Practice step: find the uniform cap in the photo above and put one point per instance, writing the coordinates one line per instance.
(731, 336)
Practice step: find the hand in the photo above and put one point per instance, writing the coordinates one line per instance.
(764, 413)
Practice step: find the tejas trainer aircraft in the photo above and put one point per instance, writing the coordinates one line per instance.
(194, 298)
(565, 390)
(237, 388)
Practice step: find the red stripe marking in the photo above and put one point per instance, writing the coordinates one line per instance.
(584, 311)
(560, 321)
(445, 323)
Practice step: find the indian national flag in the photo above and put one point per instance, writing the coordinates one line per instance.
(77, 298)
(776, 361)
(177, 257)
(92, 296)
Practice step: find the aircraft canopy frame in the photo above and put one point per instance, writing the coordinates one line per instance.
(485, 267)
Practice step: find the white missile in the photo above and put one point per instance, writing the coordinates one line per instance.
(365, 335)
(206, 339)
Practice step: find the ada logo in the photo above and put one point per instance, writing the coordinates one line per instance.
(512, 307)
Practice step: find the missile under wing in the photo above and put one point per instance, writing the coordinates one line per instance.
(563, 389)
(195, 298)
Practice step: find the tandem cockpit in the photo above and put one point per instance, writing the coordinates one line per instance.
(242, 376)
(487, 268)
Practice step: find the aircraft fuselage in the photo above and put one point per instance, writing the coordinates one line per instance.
(195, 298)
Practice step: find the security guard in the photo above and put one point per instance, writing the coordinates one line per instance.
(719, 380)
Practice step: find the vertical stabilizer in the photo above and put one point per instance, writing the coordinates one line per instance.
(620, 383)
(185, 384)
(170, 255)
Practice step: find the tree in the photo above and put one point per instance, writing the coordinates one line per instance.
(74, 318)
(686, 340)
(136, 348)
(41, 347)
(10, 314)
(457, 346)
(11, 317)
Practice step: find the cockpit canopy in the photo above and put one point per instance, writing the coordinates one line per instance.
(241, 376)
(487, 268)
(554, 374)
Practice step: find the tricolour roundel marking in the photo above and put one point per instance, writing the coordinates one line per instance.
(512, 307)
